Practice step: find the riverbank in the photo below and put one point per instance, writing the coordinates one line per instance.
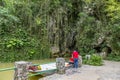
(109, 71)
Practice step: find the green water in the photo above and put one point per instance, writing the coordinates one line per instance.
(8, 75)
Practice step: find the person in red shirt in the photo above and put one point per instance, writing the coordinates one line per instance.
(71, 61)
(75, 57)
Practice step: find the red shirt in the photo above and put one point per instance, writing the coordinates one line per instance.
(75, 54)
(71, 60)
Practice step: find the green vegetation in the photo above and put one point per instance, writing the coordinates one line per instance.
(113, 57)
(29, 28)
(94, 60)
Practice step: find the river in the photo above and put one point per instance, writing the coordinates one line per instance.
(8, 75)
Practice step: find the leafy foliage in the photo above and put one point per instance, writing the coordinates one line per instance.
(94, 60)
(113, 57)
(29, 28)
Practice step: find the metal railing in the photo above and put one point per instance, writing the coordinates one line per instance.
(6, 69)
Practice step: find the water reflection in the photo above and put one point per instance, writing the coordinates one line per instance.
(35, 77)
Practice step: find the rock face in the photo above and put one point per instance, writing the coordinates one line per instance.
(80, 61)
(103, 55)
(60, 64)
(55, 50)
(21, 70)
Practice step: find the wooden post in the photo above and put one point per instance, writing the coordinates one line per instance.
(79, 61)
(21, 71)
(60, 64)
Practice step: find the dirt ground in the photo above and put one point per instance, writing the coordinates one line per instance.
(109, 71)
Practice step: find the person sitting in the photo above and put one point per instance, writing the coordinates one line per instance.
(71, 61)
